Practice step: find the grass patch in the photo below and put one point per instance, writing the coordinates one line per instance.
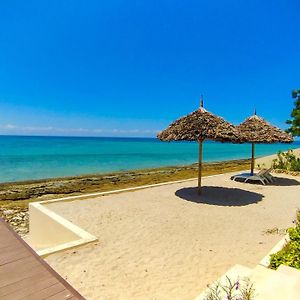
(286, 161)
(274, 231)
(290, 253)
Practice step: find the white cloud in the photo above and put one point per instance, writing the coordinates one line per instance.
(16, 129)
(7, 126)
(98, 130)
(34, 128)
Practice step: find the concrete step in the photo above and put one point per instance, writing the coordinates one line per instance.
(234, 273)
(282, 284)
(261, 274)
(289, 271)
(274, 285)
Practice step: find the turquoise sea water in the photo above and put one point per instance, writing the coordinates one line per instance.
(23, 158)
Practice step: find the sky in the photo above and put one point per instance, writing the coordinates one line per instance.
(129, 68)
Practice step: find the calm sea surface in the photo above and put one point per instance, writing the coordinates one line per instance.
(23, 158)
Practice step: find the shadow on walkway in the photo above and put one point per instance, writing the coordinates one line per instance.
(282, 181)
(221, 196)
(279, 181)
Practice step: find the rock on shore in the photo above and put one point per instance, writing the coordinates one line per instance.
(15, 196)
(17, 217)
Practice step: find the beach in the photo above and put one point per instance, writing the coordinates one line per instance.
(166, 242)
(145, 150)
(162, 242)
(266, 161)
(15, 196)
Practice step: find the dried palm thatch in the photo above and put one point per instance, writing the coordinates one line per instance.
(199, 126)
(256, 130)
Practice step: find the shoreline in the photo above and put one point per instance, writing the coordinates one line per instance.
(209, 168)
(110, 173)
(40, 158)
(15, 196)
(267, 159)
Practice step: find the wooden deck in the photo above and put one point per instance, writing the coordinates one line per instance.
(24, 275)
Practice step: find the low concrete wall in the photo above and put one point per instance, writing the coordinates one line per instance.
(50, 233)
(265, 262)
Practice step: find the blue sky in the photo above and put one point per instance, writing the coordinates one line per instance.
(129, 68)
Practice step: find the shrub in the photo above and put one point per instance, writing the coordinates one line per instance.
(286, 161)
(290, 253)
(233, 290)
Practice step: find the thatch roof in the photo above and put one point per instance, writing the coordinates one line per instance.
(200, 125)
(256, 130)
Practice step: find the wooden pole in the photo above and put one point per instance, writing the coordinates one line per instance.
(252, 159)
(200, 167)
(201, 101)
(253, 153)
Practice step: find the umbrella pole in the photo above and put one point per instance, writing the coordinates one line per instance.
(252, 159)
(200, 167)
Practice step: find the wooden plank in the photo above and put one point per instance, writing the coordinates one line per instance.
(46, 293)
(30, 289)
(9, 255)
(3, 228)
(8, 247)
(24, 283)
(18, 266)
(7, 239)
(24, 275)
(62, 295)
(12, 275)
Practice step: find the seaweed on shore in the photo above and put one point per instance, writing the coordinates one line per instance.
(15, 196)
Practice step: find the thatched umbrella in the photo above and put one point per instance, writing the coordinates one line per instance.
(256, 130)
(198, 126)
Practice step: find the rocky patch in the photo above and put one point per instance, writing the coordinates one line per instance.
(17, 217)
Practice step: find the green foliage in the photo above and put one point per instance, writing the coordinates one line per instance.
(232, 290)
(295, 115)
(290, 254)
(286, 161)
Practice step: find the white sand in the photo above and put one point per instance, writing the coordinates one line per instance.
(167, 243)
(267, 160)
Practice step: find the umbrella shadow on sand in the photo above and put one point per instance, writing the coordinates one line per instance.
(221, 196)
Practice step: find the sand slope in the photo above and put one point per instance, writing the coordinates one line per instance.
(266, 161)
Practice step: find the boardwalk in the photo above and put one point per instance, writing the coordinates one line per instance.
(24, 275)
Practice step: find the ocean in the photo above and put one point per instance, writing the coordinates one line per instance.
(32, 157)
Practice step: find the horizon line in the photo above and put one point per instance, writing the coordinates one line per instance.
(77, 136)
(296, 139)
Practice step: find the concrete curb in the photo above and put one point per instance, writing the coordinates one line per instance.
(57, 226)
(265, 262)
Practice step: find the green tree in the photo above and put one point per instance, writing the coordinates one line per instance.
(295, 115)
